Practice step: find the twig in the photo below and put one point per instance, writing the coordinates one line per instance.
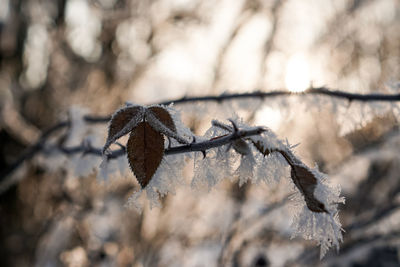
(192, 147)
(258, 94)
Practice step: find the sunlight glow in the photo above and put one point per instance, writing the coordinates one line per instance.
(269, 116)
(297, 77)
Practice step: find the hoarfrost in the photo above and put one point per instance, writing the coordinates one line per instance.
(181, 128)
(103, 169)
(323, 227)
(161, 127)
(167, 177)
(217, 164)
(107, 169)
(245, 171)
(133, 122)
(270, 169)
(123, 165)
(77, 129)
(259, 158)
(84, 165)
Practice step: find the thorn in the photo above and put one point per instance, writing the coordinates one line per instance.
(262, 129)
(349, 102)
(87, 146)
(120, 145)
(183, 98)
(310, 87)
(169, 142)
(235, 128)
(294, 146)
(224, 93)
(229, 147)
(204, 154)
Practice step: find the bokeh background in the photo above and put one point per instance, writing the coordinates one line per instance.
(60, 58)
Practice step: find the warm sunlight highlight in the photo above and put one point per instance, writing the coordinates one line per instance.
(297, 77)
(269, 116)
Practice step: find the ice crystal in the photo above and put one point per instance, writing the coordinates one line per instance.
(245, 171)
(324, 227)
(181, 128)
(259, 158)
(77, 129)
(160, 126)
(217, 165)
(167, 177)
(270, 169)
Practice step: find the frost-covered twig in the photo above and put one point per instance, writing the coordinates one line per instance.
(216, 141)
(311, 91)
(192, 147)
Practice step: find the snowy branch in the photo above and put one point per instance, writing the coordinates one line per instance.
(87, 149)
(311, 91)
(263, 95)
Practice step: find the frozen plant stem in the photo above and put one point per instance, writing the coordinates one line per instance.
(215, 142)
(192, 147)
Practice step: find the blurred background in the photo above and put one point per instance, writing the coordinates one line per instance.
(60, 58)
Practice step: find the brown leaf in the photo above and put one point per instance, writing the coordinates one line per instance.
(145, 150)
(119, 122)
(160, 119)
(163, 115)
(306, 182)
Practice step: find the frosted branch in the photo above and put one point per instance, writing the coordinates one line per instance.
(192, 147)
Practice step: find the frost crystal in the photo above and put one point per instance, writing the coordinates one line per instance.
(325, 228)
(103, 169)
(245, 171)
(315, 215)
(161, 127)
(270, 169)
(232, 152)
(167, 177)
(209, 171)
(77, 130)
(217, 164)
(181, 128)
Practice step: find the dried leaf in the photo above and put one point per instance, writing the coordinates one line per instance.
(163, 115)
(306, 182)
(122, 122)
(145, 150)
(160, 119)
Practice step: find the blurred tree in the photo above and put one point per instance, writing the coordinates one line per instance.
(97, 54)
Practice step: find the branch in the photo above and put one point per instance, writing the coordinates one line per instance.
(90, 119)
(311, 91)
(262, 95)
(192, 147)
